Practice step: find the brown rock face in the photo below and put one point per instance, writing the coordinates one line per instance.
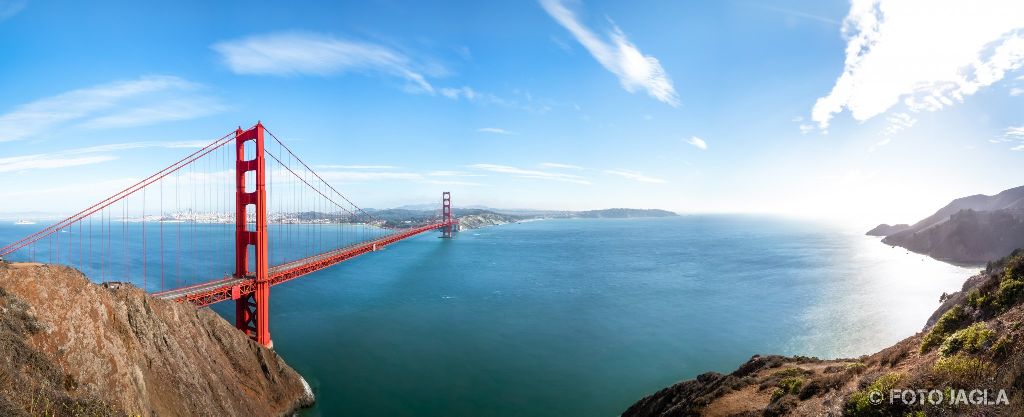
(120, 351)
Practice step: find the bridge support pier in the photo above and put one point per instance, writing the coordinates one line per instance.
(251, 310)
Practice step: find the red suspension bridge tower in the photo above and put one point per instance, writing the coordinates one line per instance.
(446, 214)
(251, 315)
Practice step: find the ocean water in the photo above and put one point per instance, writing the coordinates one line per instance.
(584, 317)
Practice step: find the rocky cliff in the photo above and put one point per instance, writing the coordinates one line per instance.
(70, 347)
(973, 342)
(886, 230)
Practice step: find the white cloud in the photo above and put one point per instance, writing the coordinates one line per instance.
(452, 174)
(357, 166)
(799, 14)
(295, 53)
(559, 166)
(355, 176)
(698, 143)
(1013, 134)
(635, 70)
(531, 174)
(367, 173)
(495, 130)
(165, 111)
(460, 92)
(43, 161)
(1016, 91)
(9, 8)
(635, 176)
(928, 53)
(120, 103)
(879, 144)
(73, 157)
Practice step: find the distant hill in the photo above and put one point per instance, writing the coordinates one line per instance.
(622, 213)
(974, 229)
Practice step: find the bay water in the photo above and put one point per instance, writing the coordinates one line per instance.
(581, 317)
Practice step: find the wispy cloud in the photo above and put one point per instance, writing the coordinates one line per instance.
(463, 92)
(1014, 134)
(304, 53)
(362, 175)
(9, 8)
(697, 143)
(635, 176)
(45, 161)
(531, 173)
(84, 156)
(559, 166)
(797, 13)
(621, 57)
(894, 124)
(906, 50)
(147, 100)
(495, 130)
(357, 166)
(166, 111)
(452, 174)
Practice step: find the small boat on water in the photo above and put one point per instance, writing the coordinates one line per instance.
(24, 222)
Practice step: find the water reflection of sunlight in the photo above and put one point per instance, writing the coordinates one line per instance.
(889, 295)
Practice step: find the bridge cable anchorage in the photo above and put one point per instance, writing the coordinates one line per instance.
(288, 221)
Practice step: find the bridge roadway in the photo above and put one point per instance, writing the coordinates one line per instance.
(232, 288)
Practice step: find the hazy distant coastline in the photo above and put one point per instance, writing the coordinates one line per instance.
(969, 230)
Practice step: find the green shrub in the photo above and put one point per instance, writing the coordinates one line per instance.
(1010, 292)
(977, 300)
(788, 385)
(961, 371)
(1014, 269)
(949, 322)
(1002, 347)
(788, 372)
(858, 404)
(971, 339)
(855, 367)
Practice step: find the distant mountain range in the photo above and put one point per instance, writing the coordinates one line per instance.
(970, 230)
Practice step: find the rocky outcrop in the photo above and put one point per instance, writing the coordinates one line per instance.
(972, 342)
(968, 230)
(92, 350)
(478, 220)
(886, 230)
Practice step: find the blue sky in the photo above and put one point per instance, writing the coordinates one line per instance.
(711, 106)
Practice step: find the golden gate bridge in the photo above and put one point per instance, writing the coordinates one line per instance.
(287, 222)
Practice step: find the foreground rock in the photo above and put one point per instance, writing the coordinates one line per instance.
(70, 347)
(968, 230)
(973, 342)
